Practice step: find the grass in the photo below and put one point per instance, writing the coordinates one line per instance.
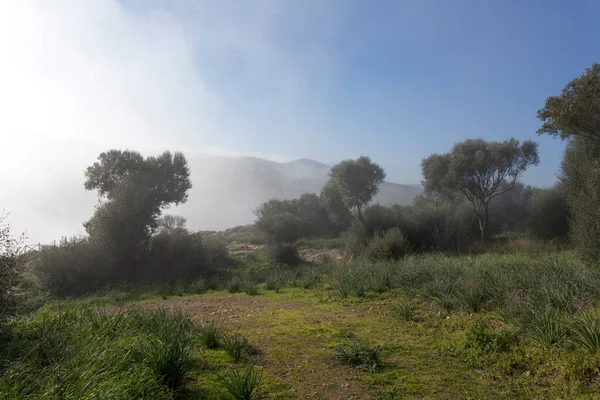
(89, 353)
(242, 384)
(488, 326)
(210, 336)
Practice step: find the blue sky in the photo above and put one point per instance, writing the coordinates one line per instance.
(395, 80)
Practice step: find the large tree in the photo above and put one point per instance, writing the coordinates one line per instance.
(576, 111)
(480, 170)
(133, 190)
(574, 115)
(355, 182)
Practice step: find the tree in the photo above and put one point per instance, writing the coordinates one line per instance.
(478, 169)
(133, 190)
(574, 115)
(169, 223)
(356, 182)
(576, 111)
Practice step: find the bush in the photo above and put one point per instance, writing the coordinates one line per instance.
(72, 267)
(481, 337)
(389, 245)
(548, 213)
(283, 253)
(585, 331)
(10, 270)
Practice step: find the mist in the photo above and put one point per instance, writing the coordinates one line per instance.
(82, 77)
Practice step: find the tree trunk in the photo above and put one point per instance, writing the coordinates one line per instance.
(360, 216)
(483, 220)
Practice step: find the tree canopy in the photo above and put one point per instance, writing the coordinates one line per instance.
(480, 170)
(576, 111)
(356, 182)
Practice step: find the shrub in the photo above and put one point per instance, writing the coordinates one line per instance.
(210, 336)
(72, 267)
(389, 245)
(10, 270)
(234, 285)
(548, 213)
(481, 337)
(242, 384)
(251, 288)
(283, 253)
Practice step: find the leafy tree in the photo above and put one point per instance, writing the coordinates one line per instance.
(478, 169)
(356, 182)
(10, 264)
(576, 111)
(337, 212)
(574, 115)
(133, 190)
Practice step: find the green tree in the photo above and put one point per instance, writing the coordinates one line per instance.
(355, 182)
(133, 190)
(576, 111)
(480, 170)
(574, 115)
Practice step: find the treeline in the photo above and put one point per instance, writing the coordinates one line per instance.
(470, 193)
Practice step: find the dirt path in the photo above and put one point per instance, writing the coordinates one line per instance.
(296, 338)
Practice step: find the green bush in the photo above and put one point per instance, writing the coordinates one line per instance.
(548, 213)
(481, 337)
(10, 270)
(283, 253)
(585, 331)
(389, 245)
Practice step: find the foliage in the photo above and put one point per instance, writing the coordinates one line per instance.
(283, 253)
(285, 221)
(585, 331)
(210, 336)
(134, 190)
(358, 354)
(477, 169)
(356, 182)
(10, 269)
(391, 245)
(406, 310)
(338, 213)
(575, 111)
(89, 353)
(482, 337)
(239, 347)
(242, 384)
(548, 213)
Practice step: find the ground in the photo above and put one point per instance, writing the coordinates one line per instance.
(296, 330)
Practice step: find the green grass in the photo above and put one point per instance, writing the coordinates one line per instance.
(242, 384)
(88, 353)
(486, 326)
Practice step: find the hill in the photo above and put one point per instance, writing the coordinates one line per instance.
(227, 190)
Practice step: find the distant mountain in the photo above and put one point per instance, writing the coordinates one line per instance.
(226, 191)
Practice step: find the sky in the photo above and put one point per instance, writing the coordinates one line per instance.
(278, 79)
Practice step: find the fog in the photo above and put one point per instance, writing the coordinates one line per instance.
(80, 77)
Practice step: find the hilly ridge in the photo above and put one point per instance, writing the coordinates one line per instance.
(226, 191)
